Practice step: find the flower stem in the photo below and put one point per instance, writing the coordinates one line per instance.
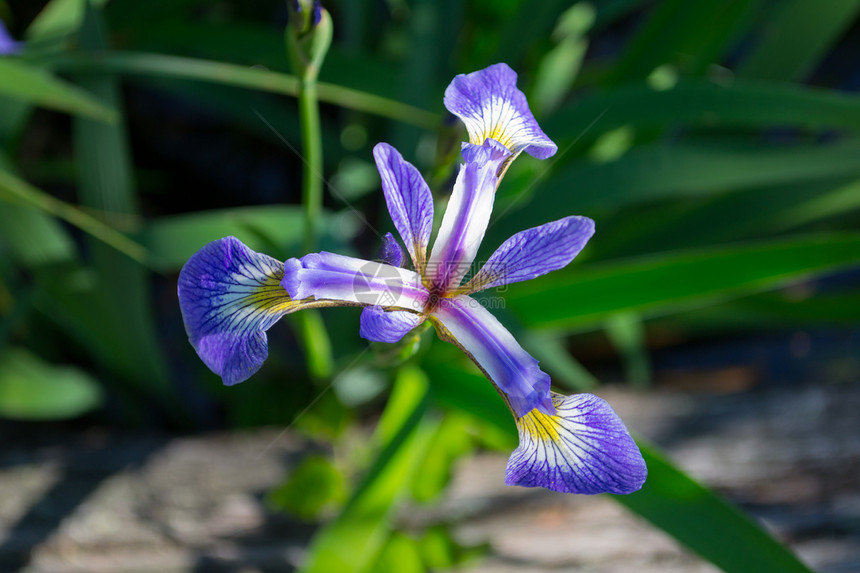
(306, 52)
(312, 179)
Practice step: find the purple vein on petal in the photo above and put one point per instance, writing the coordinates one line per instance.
(533, 252)
(230, 296)
(585, 448)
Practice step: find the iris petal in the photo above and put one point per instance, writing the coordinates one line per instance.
(409, 201)
(463, 321)
(230, 296)
(7, 44)
(377, 325)
(467, 216)
(390, 252)
(585, 448)
(353, 281)
(491, 106)
(533, 252)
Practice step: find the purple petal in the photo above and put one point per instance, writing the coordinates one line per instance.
(534, 252)
(409, 201)
(491, 106)
(354, 281)
(466, 217)
(377, 325)
(230, 296)
(585, 448)
(7, 44)
(513, 370)
(390, 253)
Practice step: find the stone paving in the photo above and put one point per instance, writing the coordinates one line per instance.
(100, 502)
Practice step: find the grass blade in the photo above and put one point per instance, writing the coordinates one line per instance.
(105, 183)
(704, 522)
(31, 389)
(130, 63)
(796, 36)
(15, 190)
(38, 87)
(675, 281)
(671, 500)
(691, 34)
(708, 104)
(662, 171)
(352, 541)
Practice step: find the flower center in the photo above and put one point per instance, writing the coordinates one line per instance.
(433, 300)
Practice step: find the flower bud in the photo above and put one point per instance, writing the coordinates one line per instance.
(308, 36)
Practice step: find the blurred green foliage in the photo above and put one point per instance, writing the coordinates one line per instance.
(715, 143)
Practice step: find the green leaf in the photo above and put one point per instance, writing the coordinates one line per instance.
(106, 184)
(669, 499)
(662, 171)
(788, 206)
(401, 554)
(31, 389)
(560, 66)
(448, 444)
(770, 311)
(354, 539)
(582, 296)
(795, 36)
(704, 522)
(692, 34)
(274, 229)
(59, 17)
(626, 331)
(32, 237)
(665, 170)
(38, 87)
(130, 63)
(17, 191)
(709, 104)
(173, 239)
(531, 24)
(458, 385)
(555, 359)
(313, 486)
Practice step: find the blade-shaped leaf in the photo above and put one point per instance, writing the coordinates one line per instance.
(678, 31)
(670, 499)
(662, 170)
(38, 87)
(129, 63)
(796, 35)
(105, 183)
(580, 296)
(352, 541)
(31, 389)
(704, 522)
(173, 239)
(710, 104)
(636, 231)
(15, 190)
(59, 17)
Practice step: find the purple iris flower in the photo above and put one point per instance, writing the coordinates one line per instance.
(7, 44)
(230, 295)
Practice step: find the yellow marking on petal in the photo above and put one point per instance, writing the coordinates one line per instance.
(498, 133)
(271, 298)
(541, 426)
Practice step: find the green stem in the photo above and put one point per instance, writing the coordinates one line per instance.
(313, 331)
(312, 178)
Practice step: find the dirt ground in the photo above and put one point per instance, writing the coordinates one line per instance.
(105, 502)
